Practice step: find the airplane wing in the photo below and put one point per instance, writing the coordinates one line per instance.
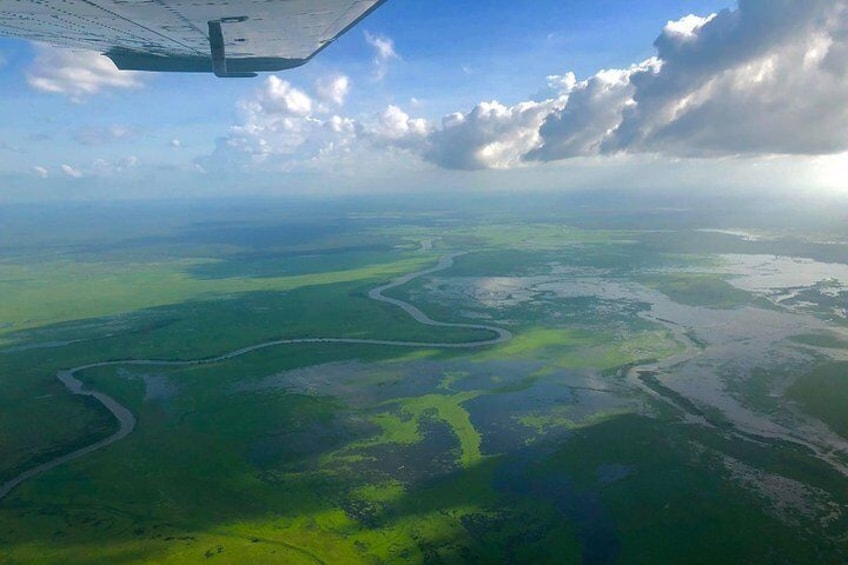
(227, 37)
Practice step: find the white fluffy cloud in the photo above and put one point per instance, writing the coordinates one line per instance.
(279, 97)
(586, 114)
(278, 119)
(394, 127)
(333, 89)
(96, 168)
(282, 126)
(489, 136)
(77, 74)
(752, 81)
(71, 171)
(384, 53)
(768, 78)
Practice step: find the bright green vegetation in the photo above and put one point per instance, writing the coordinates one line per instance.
(824, 394)
(449, 409)
(536, 450)
(701, 290)
(581, 349)
(545, 421)
(55, 292)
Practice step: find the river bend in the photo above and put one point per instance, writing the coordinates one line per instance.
(127, 420)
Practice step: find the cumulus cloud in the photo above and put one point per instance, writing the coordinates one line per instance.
(752, 81)
(489, 136)
(394, 127)
(77, 74)
(99, 167)
(284, 128)
(41, 172)
(71, 171)
(767, 78)
(282, 125)
(279, 97)
(384, 53)
(276, 119)
(333, 89)
(585, 113)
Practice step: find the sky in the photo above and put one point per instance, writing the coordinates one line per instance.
(453, 95)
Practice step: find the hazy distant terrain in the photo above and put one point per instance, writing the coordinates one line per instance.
(672, 389)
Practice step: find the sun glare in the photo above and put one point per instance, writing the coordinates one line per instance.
(831, 173)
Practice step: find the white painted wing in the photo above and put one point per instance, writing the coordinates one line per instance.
(231, 38)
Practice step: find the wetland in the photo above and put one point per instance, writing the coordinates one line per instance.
(292, 383)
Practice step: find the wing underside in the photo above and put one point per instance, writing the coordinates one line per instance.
(230, 38)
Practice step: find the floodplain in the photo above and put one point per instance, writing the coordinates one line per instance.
(662, 392)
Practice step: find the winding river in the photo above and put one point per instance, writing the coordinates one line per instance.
(634, 376)
(127, 420)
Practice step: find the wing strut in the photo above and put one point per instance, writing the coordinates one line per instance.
(216, 47)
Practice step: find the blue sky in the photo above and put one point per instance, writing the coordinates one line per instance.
(716, 104)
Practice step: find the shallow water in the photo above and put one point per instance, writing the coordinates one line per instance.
(733, 342)
(158, 387)
(769, 273)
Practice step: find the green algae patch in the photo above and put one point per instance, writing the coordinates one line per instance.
(449, 410)
(395, 430)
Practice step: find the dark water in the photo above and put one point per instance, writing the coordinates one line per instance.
(595, 528)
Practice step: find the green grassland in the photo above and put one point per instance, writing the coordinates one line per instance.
(529, 451)
(587, 349)
(55, 292)
(187, 483)
(179, 320)
(701, 290)
(674, 505)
